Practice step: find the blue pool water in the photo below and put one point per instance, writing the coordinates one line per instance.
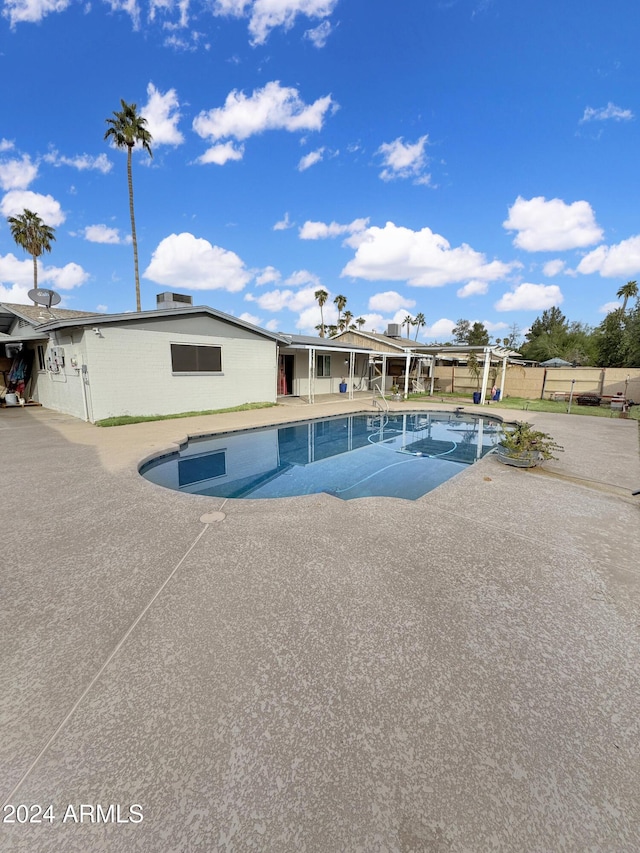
(400, 455)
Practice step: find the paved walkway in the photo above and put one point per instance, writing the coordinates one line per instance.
(458, 673)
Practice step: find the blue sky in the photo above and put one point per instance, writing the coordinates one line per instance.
(471, 159)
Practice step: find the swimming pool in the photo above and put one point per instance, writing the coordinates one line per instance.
(400, 455)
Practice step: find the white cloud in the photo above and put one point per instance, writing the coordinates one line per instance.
(17, 174)
(283, 224)
(473, 288)
(81, 162)
(292, 300)
(552, 226)
(250, 318)
(273, 325)
(162, 115)
(104, 234)
(102, 308)
(274, 107)
(16, 293)
(300, 277)
(389, 301)
(185, 261)
(608, 307)
(269, 275)
(530, 297)
(265, 15)
(440, 331)
(622, 259)
(130, 7)
(63, 278)
(553, 268)
(221, 154)
(611, 111)
(31, 11)
(318, 35)
(494, 327)
(404, 160)
(164, 6)
(48, 209)
(422, 258)
(320, 230)
(6, 145)
(18, 274)
(310, 159)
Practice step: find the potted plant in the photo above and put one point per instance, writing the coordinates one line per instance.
(525, 447)
(395, 392)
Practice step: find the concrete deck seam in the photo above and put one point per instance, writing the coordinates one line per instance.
(104, 666)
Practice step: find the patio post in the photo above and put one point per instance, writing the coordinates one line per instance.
(407, 366)
(485, 374)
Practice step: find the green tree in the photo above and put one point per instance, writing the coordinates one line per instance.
(420, 321)
(347, 319)
(627, 291)
(321, 297)
(547, 336)
(611, 340)
(632, 330)
(341, 303)
(478, 335)
(408, 322)
(580, 344)
(126, 129)
(32, 235)
(360, 322)
(461, 332)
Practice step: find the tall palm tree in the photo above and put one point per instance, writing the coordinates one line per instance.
(360, 322)
(630, 289)
(341, 303)
(32, 235)
(127, 128)
(321, 297)
(408, 322)
(347, 319)
(419, 322)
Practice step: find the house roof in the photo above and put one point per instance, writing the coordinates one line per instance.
(33, 316)
(80, 319)
(400, 344)
(309, 341)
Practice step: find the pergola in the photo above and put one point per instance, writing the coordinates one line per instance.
(314, 346)
(485, 354)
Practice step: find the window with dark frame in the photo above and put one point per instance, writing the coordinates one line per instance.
(194, 358)
(323, 365)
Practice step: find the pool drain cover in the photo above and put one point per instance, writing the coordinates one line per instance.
(211, 517)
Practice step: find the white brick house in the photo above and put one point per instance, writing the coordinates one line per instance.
(190, 358)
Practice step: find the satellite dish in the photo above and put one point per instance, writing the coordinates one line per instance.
(42, 296)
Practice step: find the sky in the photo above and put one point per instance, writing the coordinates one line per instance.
(472, 159)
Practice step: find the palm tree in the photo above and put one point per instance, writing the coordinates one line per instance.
(408, 322)
(630, 289)
(420, 321)
(340, 302)
(321, 297)
(126, 128)
(360, 322)
(32, 235)
(347, 319)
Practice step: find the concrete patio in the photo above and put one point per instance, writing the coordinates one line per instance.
(458, 673)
